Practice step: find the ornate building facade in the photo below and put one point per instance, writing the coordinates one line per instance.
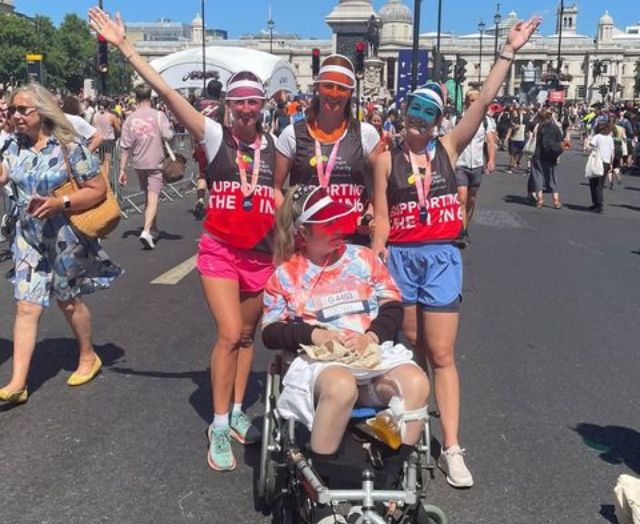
(618, 50)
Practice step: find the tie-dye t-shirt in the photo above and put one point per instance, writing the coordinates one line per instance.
(345, 295)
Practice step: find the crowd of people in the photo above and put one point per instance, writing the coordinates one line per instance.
(324, 220)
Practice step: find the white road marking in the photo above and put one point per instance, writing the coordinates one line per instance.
(577, 244)
(176, 274)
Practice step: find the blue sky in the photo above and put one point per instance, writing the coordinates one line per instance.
(306, 17)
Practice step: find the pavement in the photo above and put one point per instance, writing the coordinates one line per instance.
(547, 351)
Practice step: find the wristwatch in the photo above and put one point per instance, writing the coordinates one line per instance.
(66, 202)
(506, 55)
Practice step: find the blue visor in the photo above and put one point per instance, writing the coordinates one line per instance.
(426, 110)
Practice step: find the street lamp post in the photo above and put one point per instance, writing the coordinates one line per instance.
(103, 75)
(416, 44)
(271, 24)
(560, 24)
(497, 19)
(481, 27)
(439, 26)
(559, 63)
(204, 52)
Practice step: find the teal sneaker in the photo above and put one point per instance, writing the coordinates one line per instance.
(243, 430)
(220, 455)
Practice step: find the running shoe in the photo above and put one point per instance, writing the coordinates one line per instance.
(147, 240)
(220, 455)
(451, 462)
(242, 429)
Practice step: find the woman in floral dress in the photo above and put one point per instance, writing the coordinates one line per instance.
(52, 259)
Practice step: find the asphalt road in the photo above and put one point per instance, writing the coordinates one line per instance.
(548, 354)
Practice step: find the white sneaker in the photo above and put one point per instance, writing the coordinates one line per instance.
(147, 240)
(451, 462)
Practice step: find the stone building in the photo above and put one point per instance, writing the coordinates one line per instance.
(618, 50)
(7, 6)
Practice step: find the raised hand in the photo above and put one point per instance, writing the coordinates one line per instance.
(112, 30)
(520, 33)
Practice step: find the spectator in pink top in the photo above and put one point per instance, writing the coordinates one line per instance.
(142, 135)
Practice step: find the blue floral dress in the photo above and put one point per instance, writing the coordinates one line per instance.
(51, 258)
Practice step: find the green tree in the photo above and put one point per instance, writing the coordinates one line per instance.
(77, 51)
(17, 38)
(69, 54)
(120, 74)
(44, 43)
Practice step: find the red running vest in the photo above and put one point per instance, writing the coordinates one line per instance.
(227, 219)
(444, 216)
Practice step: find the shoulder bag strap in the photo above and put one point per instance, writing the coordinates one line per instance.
(71, 178)
(165, 142)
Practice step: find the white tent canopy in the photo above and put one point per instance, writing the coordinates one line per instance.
(183, 70)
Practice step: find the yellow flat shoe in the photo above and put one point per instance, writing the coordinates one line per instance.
(77, 380)
(19, 397)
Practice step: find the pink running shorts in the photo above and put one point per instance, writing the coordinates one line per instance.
(251, 269)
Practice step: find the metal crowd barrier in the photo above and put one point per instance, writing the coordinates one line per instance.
(131, 198)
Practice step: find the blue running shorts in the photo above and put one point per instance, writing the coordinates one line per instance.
(428, 274)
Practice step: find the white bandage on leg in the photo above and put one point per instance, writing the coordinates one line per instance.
(402, 415)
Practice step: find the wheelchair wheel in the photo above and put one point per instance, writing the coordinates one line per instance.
(284, 512)
(270, 434)
(429, 514)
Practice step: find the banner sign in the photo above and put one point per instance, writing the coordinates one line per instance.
(405, 61)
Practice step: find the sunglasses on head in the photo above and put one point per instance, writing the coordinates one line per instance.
(22, 110)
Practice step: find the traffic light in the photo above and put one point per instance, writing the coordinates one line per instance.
(460, 71)
(315, 61)
(612, 83)
(103, 55)
(360, 58)
(604, 90)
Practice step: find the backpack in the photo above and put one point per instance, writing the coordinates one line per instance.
(551, 143)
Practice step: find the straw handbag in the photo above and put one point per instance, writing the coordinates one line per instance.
(98, 221)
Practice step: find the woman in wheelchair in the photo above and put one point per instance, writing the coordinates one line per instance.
(325, 291)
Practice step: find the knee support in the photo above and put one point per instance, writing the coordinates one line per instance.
(402, 415)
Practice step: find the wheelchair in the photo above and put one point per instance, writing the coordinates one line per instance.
(367, 484)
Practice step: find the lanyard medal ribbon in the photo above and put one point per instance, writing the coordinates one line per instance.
(423, 183)
(325, 176)
(248, 189)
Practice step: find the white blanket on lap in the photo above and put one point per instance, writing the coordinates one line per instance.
(297, 398)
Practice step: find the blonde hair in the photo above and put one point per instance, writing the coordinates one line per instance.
(286, 231)
(469, 94)
(53, 118)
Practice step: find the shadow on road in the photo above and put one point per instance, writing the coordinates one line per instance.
(626, 206)
(518, 199)
(608, 512)
(200, 400)
(577, 207)
(162, 235)
(6, 349)
(54, 355)
(616, 444)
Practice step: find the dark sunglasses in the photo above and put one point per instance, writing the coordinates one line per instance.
(23, 110)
